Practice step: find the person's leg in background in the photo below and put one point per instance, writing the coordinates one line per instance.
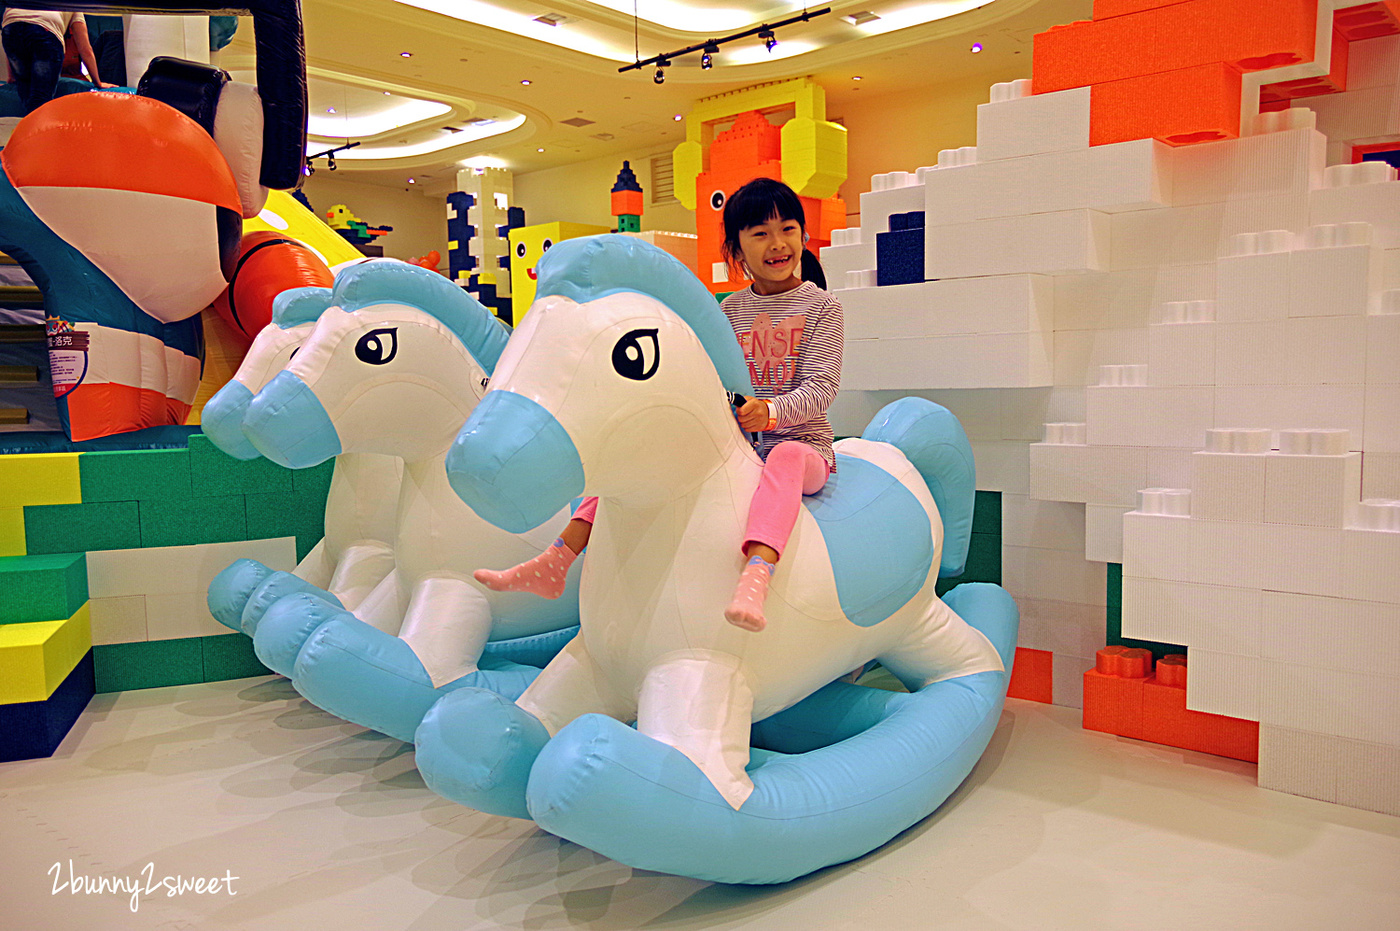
(36, 58)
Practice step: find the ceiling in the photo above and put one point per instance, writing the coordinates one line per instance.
(520, 93)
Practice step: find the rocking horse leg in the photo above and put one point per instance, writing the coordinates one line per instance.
(363, 565)
(943, 647)
(572, 685)
(447, 624)
(700, 703)
(382, 608)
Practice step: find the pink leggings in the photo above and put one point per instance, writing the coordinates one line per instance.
(793, 469)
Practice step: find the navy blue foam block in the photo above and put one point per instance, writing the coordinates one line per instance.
(899, 257)
(34, 729)
(913, 220)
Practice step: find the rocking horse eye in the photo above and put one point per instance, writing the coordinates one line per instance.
(637, 355)
(378, 347)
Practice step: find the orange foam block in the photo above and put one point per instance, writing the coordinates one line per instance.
(1370, 20)
(1165, 719)
(1032, 676)
(1113, 691)
(1169, 38)
(627, 203)
(1103, 9)
(1199, 104)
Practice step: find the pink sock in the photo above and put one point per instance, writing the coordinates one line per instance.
(543, 575)
(746, 609)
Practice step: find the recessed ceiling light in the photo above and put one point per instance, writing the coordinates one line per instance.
(411, 181)
(539, 150)
(976, 47)
(677, 117)
(330, 109)
(405, 54)
(861, 18)
(552, 19)
(855, 77)
(527, 82)
(386, 93)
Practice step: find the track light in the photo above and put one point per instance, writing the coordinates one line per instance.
(769, 40)
(707, 60)
(330, 162)
(660, 76)
(710, 47)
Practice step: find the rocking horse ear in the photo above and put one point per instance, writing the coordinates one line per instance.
(590, 267)
(296, 306)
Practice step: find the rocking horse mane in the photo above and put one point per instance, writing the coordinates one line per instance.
(590, 267)
(373, 283)
(296, 306)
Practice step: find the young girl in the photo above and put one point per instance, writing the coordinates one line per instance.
(791, 332)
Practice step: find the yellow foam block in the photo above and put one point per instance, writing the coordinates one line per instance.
(35, 658)
(11, 531)
(528, 246)
(39, 478)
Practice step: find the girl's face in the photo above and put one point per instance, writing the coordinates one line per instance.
(772, 251)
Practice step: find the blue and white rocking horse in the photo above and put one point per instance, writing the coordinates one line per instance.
(615, 385)
(356, 554)
(397, 359)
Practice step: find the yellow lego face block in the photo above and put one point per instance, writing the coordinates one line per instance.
(39, 478)
(528, 244)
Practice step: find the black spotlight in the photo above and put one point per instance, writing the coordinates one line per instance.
(769, 40)
(330, 162)
(660, 76)
(707, 60)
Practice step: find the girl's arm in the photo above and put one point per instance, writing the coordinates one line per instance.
(818, 369)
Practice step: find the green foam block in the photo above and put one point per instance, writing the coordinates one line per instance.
(42, 588)
(72, 528)
(135, 474)
(195, 520)
(230, 657)
(214, 473)
(148, 664)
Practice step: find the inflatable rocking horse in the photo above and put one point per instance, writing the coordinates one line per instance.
(398, 356)
(747, 762)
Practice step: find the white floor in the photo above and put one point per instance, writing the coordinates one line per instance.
(328, 826)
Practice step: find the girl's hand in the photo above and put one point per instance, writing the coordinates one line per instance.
(753, 416)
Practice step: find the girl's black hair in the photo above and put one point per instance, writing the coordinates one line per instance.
(759, 201)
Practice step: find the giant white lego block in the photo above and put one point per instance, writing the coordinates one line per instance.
(1358, 115)
(1167, 236)
(175, 616)
(1044, 243)
(1228, 486)
(1252, 281)
(1313, 491)
(1168, 468)
(1383, 348)
(1024, 413)
(1147, 416)
(1181, 354)
(1067, 675)
(838, 260)
(1060, 626)
(1002, 466)
(1307, 560)
(1055, 122)
(952, 306)
(1356, 773)
(1154, 610)
(1053, 575)
(951, 194)
(1382, 419)
(1224, 553)
(1224, 683)
(1135, 175)
(173, 570)
(1331, 633)
(877, 206)
(1055, 181)
(1056, 525)
(119, 620)
(1377, 204)
(992, 360)
(1326, 350)
(1322, 407)
(1081, 354)
(1264, 212)
(1127, 298)
(1103, 532)
(1157, 546)
(1328, 701)
(1334, 281)
(1368, 562)
(1090, 474)
(1372, 63)
(1380, 475)
(1271, 163)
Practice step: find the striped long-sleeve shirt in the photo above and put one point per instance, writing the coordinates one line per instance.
(792, 344)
